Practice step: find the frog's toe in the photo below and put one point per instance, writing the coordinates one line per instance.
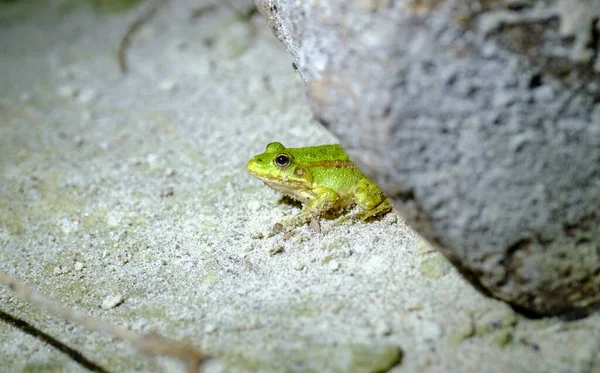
(276, 229)
(287, 225)
(344, 219)
(379, 211)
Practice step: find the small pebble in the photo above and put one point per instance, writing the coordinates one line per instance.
(152, 159)
(383, 329)
(417, 306)
(242, 292)
(167, 191)
(86, 96)
(298, 266)
(112, 301)
(67, 91)
(78, 266)
(430, 330)
(391, 218)
(168, 86)
(210, 328)
(78, 140)
(254, 205)
(276, 250)
(334, 265)
(257, 235)
(135, 161)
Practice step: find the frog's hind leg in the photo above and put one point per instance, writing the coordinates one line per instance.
(325, 199)
(383, 208)
(371, 199)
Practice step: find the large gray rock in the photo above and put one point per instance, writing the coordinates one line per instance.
(480, 119)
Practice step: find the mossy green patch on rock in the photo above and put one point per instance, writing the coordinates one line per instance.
(495, 320)
(503, 337)
(49, 367)
(23, 9)
(336, 244)
(374, 359)
(464, 331)
(351, 358)
(12, 220)
(435, 266)
(114, 5)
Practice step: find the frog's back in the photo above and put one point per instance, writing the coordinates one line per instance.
(331, 167)
(322, 153)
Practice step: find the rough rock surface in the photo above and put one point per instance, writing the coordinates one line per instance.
(480, 119)
(126, 198)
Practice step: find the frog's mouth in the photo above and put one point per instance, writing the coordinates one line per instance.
(295, 190)
(284, 184)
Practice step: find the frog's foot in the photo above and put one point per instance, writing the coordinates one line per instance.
(287, 225)
(369, 197)
(383, 208)
(343, 219)
(276, 229)
(380, 210)
(325, 200)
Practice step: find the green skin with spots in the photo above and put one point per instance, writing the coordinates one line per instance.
(322, 177)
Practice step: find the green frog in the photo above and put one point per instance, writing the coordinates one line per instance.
(321, 177)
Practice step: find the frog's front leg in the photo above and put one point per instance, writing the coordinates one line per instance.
(325, 199)
(371, 199)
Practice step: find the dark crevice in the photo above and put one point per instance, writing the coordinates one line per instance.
(527, 312)
(75, 355)
(548, 302)
(595, 42)
(566, 314)
(510, 263)
(324, 122)
(588, 223)
(535, 81)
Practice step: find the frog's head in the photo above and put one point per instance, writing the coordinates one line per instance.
(278, 169)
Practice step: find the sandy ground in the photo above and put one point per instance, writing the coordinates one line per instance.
(126, 197)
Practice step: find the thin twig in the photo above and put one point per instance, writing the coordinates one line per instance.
(72, 353)
(133, 28)
(150, 344)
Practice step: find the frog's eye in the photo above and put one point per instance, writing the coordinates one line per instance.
(282, 160)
